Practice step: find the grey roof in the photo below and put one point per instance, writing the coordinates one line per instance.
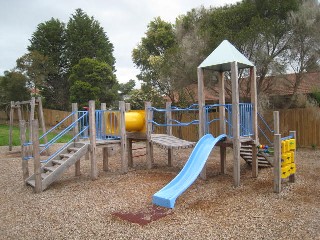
(222, 56)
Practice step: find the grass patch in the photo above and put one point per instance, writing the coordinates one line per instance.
(4, 133)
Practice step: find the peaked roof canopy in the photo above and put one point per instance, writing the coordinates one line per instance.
(222, 56)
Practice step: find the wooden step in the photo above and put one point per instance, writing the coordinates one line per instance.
(59, 162)
(73, 149)
(31, 183)
(246, 153)
(44, 175)
(51, 168)
(66, 155)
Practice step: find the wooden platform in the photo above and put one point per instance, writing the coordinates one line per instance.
(172, 142)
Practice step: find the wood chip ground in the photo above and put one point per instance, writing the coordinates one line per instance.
(78, 208)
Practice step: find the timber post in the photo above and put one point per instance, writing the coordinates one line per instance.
(169, 131)
(222, 117)
(92, 132)
(75, 133)
(292, 177)
(42, 122)
(123, 137)
(201, 103)
(24, 163)
(235, 124)
(36, 157)
(277, 155)
(149, 114)
(254, 101)
(11, 124)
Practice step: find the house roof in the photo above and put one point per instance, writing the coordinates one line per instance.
(284, 85)
(273, 86)
(222, 57)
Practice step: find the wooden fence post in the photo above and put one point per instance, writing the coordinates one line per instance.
(36, 157)
(92, 131)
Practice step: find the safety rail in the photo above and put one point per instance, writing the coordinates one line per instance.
(245, 114)
(268, 128)
(208, 122)
(82, 114)
(173, 122)
(107, 124)
(64, 146)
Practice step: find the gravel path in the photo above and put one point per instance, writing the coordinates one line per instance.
(78, 208)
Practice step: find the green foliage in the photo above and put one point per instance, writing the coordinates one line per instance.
(126, 88)
(55, 48)
(259, 29)
(36, 67)
(85, 38)
(92, 80)
(316, 95)
(13, 87)
(152, 53)
(49, 40)
(139, 96)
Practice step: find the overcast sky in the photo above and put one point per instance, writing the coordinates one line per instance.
(124, 21)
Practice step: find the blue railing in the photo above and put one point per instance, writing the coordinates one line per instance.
(268, 128)
(65, 145)
(174, 122)
(107, 124)
(245, 114)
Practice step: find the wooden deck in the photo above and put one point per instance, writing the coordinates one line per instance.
(172, 142)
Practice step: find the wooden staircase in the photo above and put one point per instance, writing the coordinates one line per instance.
(263, 159)
(54, 168)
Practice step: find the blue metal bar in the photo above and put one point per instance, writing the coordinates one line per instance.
(266, 124)
(263, 133)
(63, 147)
(174, 125)
(53, 128)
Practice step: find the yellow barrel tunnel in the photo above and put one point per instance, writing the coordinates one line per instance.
(134, 120)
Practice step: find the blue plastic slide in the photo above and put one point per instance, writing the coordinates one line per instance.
(167, 196)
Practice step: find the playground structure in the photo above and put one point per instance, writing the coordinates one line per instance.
(26, 109)
(104, 128)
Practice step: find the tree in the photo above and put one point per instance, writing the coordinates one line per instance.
(126, 88)
(91, 79)
(49, 40)
(151, 56)
(85, 38)
(304, 52)
(13, 87)
(147, 93)
(62, 47)
(36, 67)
